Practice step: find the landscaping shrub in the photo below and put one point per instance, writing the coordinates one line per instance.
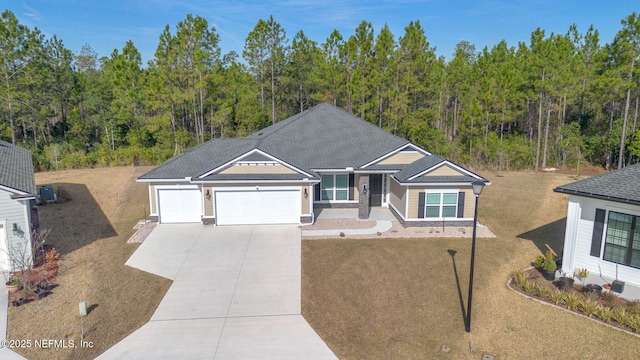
(542, 290)
(520, 277)
(604, 312)
(572, 300)
(556, 296)
(605, 307)
(620, 315)
(589, 307)
(633, 321)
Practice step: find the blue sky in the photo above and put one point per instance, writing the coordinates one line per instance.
(108, 24)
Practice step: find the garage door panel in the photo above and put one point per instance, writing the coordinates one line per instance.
(180, 205)
(257, 207)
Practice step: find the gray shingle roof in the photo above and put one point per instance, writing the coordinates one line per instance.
(200, 159)
(622, 185)
(327, 137)
(16, 168)
(323, 137)
(276, 177)
(417, 167)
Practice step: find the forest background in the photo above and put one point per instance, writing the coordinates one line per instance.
(561, 100)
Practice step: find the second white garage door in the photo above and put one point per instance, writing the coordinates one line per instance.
(252, 206)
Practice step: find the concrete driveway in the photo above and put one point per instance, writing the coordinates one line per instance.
(235, 295)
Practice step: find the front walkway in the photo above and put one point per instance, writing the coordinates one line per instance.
(235, 295)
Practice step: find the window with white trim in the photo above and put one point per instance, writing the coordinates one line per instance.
(441, 205)
(622, 240)
(334, 187)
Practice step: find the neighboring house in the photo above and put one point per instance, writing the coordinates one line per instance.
(18, 212)
(322, 157)
(603, 225)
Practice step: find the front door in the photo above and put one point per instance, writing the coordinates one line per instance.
(375, 190)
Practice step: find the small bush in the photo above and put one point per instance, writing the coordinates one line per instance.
(633, 321)
(556, 296)
(589, 307)
(63, 195)
(520, 277)
(608, 297)
(572, 300)
(620, 315)
(604, 313)
(542, 290)
(528, 287)
(634, 307)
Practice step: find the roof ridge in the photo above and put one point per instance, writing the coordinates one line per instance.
(291, 120)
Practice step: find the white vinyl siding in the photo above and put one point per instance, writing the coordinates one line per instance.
(579, 234)
(16, 212)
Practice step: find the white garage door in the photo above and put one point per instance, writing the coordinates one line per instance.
(258, 207)
(179, 205)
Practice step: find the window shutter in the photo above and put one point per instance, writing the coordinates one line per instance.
(461, 204)
(598, 226)
(351, 186)
(316, 192)
(421, 197)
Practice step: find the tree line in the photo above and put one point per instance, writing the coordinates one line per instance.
(558, 100)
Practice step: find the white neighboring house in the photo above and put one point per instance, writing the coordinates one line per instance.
(603, 225)
(18, 212)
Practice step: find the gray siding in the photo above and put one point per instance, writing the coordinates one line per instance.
(13, 211)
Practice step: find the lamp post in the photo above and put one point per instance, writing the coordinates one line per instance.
(477, 189)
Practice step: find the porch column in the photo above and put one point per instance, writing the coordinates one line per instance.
(363, 203)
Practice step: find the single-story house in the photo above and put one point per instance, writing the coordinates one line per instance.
(18, 211)
(603, 225)
(321, 157)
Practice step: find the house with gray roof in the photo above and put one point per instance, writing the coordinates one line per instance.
(321, 157)
(18, 212)
(603, 225)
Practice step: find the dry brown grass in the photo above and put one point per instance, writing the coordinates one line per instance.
(401, 299)
(90, 232)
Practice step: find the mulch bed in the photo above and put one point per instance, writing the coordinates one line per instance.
(611, 300)
(606, 297)
(43, 274)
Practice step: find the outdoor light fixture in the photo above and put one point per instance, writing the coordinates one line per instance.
(208, 195)
(364, 189)
(477, 189)
(16, 230)
(306, 193)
